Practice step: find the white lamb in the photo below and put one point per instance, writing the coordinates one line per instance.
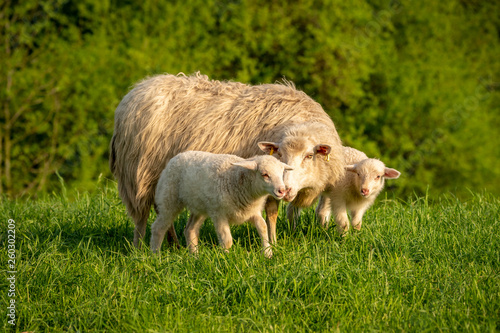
(226, 188)
(356, 192)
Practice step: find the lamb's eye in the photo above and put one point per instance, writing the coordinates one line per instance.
(377, 178)
(308, 157)
(265, 176)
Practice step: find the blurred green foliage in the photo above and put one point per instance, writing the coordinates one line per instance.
(413, 83)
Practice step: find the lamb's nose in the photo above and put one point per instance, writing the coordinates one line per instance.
(365, 191)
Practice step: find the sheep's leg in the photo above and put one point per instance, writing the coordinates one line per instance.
(223, 233)
(341, 218)
(164, 221)
(138, 209)
(192, 232)
(172, 236)
(324, 210)
(357, 216)
(293, 214)
(190, 221)
(260, 225)
(271, 218)
(140, 230)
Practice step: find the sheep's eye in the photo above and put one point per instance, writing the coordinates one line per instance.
(378, 177)
(265, 176)
(308, 157)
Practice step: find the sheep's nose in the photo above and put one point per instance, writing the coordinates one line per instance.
(282, 191)
(289, 194)
(365, 191)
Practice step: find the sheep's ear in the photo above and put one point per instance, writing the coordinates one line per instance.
(322, 149)
(251, 165)
(391, 173)
(268, 147)
(287, 167)
(350, 167)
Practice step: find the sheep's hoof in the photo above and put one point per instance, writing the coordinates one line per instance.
(343, 231)
(357, 227)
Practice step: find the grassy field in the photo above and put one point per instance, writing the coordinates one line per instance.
(414, 267)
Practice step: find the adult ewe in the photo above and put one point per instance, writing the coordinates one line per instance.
(168, 114)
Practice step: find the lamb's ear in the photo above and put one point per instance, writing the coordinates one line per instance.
(391, 173)
(322, 149)
(248, 164)
(350, 167)
(287, 167)
(268, 147)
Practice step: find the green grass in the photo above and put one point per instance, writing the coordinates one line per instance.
(414, 267)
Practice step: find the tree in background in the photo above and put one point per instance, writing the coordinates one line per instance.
(32, 121)
(415, 84)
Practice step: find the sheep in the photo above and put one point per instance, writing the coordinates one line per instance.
(355, 192)
(226, 188)
(167, 114)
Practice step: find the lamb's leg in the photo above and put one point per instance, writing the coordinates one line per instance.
(164, 221)
(271, 218)
(341, 218)
(190, 221)
(260, 225)
(324, 210)
(223, 233)
(357, 217)
(293, 214)
(192, 231)
(171, 235)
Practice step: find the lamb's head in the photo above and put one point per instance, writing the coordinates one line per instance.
(306, 148)
(268, 174)
(369, 175)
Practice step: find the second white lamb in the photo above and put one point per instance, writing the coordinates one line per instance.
(356, 192)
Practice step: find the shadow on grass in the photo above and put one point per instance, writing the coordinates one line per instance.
(101, 223)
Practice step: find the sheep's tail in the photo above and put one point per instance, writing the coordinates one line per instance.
(112, 155)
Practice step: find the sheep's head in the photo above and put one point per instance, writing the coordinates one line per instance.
(269, 174)
(306, 148)
(369, 176)
(302, 155)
